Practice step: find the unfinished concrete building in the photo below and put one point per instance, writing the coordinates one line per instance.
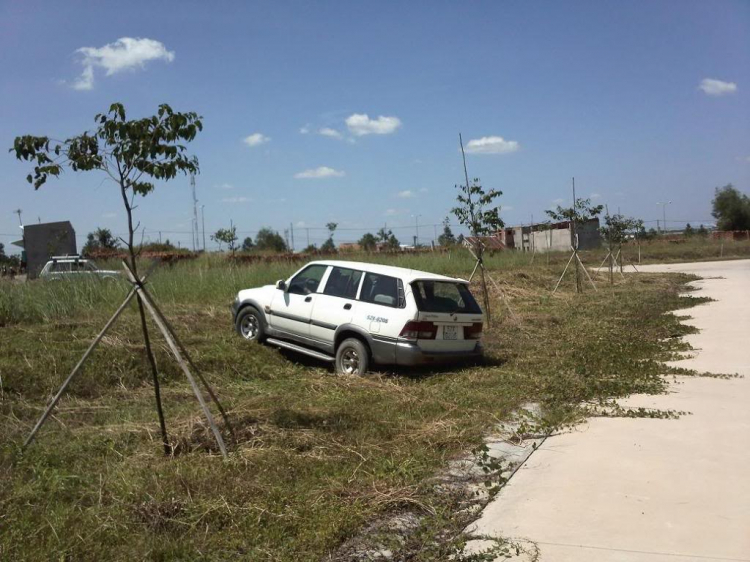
(42, 241)
(551, 237)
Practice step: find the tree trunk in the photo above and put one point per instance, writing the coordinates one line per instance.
(144, 327)
(485, 294)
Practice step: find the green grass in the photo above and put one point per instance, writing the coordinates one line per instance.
(317, 456)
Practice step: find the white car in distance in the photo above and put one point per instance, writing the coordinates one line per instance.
(359, 314)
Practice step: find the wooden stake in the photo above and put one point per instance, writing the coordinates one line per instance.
(146, 299)
(80, 363)
(563, 273)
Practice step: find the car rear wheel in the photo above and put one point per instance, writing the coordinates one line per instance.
(352, 358)
(249, 324)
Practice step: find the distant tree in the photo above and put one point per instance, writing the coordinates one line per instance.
(247, 244)
(702, 232)
(100, 239)
(616, 230)
(477, 211)
(311, 249)
(731, 209)
(689, 231)
(3, 257)
(389, 240)
(368, 242)
(446, 238)
(268, 240)
(133, 154)
(580, 213)
(460, 239)
(227, 236)
(652, 234)
(328, 246)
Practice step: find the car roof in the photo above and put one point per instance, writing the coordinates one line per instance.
(408, 275)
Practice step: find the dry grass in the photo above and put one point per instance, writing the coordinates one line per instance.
(316, 456)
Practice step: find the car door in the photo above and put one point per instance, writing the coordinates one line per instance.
(291, 309)
(335, 305)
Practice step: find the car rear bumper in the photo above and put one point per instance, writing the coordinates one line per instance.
(410, 354)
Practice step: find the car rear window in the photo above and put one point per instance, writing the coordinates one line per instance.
(444, 296)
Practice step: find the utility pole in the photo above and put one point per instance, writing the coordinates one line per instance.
(307, 230)
(195, 214)
(664, 215)
(20, 221)
(291, 228)
(575, 240)
(286, 236)
(203, 220)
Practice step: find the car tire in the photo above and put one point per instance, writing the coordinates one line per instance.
(249, 324)
(352, 357)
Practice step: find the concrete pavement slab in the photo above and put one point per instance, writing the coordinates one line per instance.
(651, 490)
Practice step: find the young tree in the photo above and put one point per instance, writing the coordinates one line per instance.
(227, 236)
(615, 231)
(268, 240)
(581, 212)
(368, 242)
(689, 231)
(702, 232)
(311, 249)
(477, 211)
(731, 209)
(446, 238)
(100, 239)
(247, 244)
(133, 154)
(3, 257)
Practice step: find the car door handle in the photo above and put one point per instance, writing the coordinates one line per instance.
(308, 299)
(348, 306)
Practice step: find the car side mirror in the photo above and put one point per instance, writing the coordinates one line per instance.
(281, 285)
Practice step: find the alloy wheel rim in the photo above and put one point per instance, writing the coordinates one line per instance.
(250, 327)
(350, 361)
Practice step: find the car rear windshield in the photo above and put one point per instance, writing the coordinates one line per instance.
(444, 296)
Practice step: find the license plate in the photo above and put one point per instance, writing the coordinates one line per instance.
(450, 333)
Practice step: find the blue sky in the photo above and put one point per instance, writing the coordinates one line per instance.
(606, 91)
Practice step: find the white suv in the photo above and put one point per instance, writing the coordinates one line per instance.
(74, 267)
(359, 313)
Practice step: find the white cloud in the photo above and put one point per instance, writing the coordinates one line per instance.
(301, 224)
(743, 158)
(223, 186)
(406, 194)
(109, 215)
(491, 145)
(304, 130)
(127, 53)
(596, 196)
(394, 212)
(256, 139)
(236, 200)
(423, 190)
(507, 208)
(360, 124)
(713, 87)
(327, 132)
(320, 172)
(558, 201)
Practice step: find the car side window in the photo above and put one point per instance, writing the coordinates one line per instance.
(343, 283)
(381, 289)
(307, 280)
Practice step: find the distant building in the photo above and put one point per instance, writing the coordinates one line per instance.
(349, 247)
(42, 241)
(551, 237)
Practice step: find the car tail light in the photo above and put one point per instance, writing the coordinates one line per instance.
(414, 330)
(473, 332)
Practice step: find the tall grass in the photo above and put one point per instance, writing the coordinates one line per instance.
(213, 280)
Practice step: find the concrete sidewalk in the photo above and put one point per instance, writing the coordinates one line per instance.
(647, 489)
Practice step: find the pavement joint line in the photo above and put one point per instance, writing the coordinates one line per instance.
(675, 554)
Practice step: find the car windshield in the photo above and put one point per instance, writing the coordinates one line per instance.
(444, 296)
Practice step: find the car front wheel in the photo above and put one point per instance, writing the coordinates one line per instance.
(352, 357)
(249, 324)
